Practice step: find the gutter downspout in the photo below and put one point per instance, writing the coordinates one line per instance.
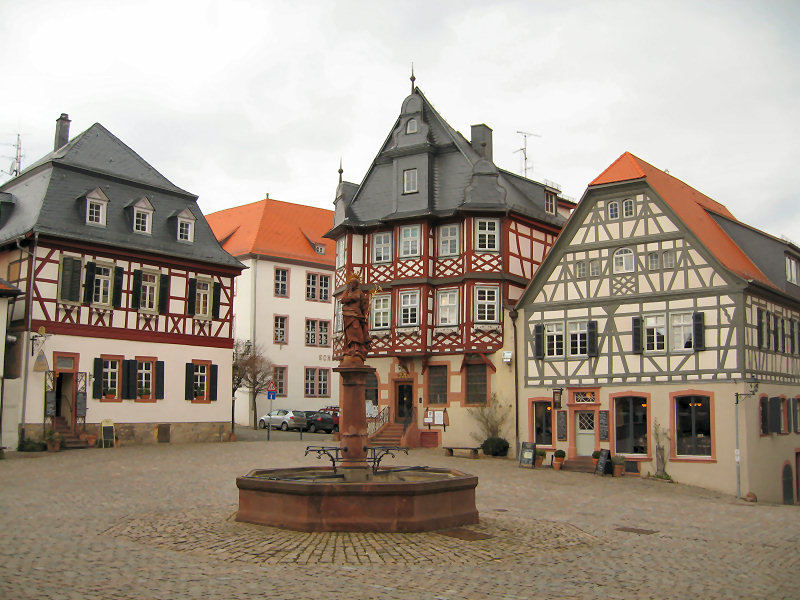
(513, 313)
(28, 310)
(253, 335)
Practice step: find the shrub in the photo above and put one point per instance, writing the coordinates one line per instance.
(541, 452)
(559, 454)
(596, 454)
(490, 419)
(618, 459)
(495, 446)
(27, 445)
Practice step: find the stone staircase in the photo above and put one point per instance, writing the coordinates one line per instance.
(581, 464)
(71, 441)
(390, 434)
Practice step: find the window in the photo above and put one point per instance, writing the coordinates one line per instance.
(200, 381)
(476, 384)
(543, 423)
(669, 259)
(144, 379)
(410, 181)
(613, 210)
(655, 333)
(774, 417)
(554, 339)
(202, 302)
(653, 261)
(550, 202)
(318, 248)
(282, 282)
(409, 241)
(792, 270)
(447, 307)
(623, 261)
(341, 251)
(382, 247)
(279, 377)
(448, 240)
(594, 268)
(578, 338)
(337, 317)
(411, 126)
(279, 329)
(580, 269)
(185, 230)
(102, 285)
(630, 419)
(141, 220)
(627, 208)
(95, 212)
(70, 285)
(437, 385)
(409, 308)
(693, 425)
(111, 378)
(318, 287)
(381, 309)
(486, 304)
(486, 235)
(316, 383)
(148, 297)
(680, 331)
(317, 332)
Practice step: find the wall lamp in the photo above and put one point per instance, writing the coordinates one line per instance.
(557, 392)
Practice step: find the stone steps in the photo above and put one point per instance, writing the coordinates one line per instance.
(581, 464)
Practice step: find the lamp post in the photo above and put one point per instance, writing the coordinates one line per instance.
(753, 383)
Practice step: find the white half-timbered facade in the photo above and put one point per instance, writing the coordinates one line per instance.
(654, 309)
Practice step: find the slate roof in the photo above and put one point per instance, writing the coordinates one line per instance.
(460, 180)
(49, 198)
(274, 228)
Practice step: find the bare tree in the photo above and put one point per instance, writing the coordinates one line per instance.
(241, 348)
(252, 371)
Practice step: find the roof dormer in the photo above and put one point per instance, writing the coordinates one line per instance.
(96, 208)
(185, 228)
(143, 216)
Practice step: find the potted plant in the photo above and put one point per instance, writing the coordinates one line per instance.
(109, 393)
(539, 458)
(558, 459)
(199, 394)
(595, 457)
(144, 393)
(53, 440)
(619, 465)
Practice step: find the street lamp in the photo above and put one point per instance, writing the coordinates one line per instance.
(557, 392)
(753, 383)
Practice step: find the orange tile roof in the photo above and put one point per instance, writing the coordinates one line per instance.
(691, 206)
(275, 228)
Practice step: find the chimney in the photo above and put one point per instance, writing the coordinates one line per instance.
(62, 131)
(482, 141)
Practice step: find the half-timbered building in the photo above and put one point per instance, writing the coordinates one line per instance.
(127, 303)
(447, 242)
(656, 313)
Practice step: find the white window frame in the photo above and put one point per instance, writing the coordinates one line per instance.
(410, 241)
(447, 308)
(103, 290)
(653, 261)
(550, 203)
(341, 251)
(580, 269)
(200, 381)
(410, 183)
(449, 239)
(381, 311)
(111, 376)
(679, 325)
(187, 236)
(554, 340)
(382, 247)
(408, 308)
(628, 208)
(792, 270)
(147, 219)
(411, 126)
(595, 268)
(653, 325)
(281, 282)
(624, 261)
(487, 235)
(280, 324)
(486, 308)
(202, 298)
(613, 210)
(145, 379)
(101, 212)
(148, 298)
(669, 258)
(578, 332)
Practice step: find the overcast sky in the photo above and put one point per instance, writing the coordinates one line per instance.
(233, 100)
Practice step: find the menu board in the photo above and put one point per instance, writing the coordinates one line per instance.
(602, 422)
(561, 425)
(527, 454)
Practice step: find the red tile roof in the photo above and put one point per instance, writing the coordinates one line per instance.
(691, 206)
(274, 228)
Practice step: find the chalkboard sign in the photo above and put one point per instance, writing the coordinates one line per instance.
(561, 425)
(107, 433)
(602, 422)
(604, 463)
(50, 404)
(527, 454)
(80, 404)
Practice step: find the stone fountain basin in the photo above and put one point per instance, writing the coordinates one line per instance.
(388, 501)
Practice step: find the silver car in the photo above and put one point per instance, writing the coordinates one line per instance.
(285, 419)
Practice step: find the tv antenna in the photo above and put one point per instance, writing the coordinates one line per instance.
(16, 162)
(524, 151)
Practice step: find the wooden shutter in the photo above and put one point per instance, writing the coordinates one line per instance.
(538, 341)
(136, 291)
(775, 415)
(75, 283)
(699, 331)
(97, 384)
(70, 279)
(159, 380)
(116, 293)
(191, 297)
(88, 284)
(212, 378)
(760, 327)
(637, 335)
(189, 381)
(776, 334)
(215, 305)
(129, 379)
(163, 293)
(591, 346)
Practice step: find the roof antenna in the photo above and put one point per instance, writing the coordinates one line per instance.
(413, 79)
(16, 163)
(340, 169)
(524, 151)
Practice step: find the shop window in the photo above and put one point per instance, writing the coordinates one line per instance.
(693, 425)
(543, 423)
(630, 419)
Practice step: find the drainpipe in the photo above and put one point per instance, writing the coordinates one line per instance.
(253, 335)
(514, 314)
(28, 310)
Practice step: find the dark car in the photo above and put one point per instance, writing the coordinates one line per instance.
(319, 421)
(334, 411)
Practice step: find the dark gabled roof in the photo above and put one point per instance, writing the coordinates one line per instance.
(49, 198)
(462, 180)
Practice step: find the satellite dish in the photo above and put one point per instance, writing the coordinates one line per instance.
(41, 330)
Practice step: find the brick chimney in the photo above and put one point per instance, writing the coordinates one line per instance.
(482, 140)
(62, 131)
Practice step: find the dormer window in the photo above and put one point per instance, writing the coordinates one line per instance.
(319, 248)
(143, 216)
(792, 270)
(550, 203)
(411, 126)
(96, 205)
(186, 226)
(409, 181)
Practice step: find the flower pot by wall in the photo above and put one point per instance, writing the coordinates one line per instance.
(557, 462)
(619, 470)
(538, 461)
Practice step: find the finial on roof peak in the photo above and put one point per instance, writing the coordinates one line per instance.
(413, 79)
(340, 169)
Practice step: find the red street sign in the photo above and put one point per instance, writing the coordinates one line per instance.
(271, 387)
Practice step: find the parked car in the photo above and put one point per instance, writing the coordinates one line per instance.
(319, 421)
(285, 419)
(334, 412)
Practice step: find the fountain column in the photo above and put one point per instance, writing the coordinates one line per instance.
(353, 414)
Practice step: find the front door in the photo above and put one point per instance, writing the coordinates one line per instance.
(405, 403)
(65, 398)
(584, 427)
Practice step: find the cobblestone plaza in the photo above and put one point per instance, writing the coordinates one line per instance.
(156, 522)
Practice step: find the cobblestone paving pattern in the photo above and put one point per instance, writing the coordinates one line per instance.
(155, 522)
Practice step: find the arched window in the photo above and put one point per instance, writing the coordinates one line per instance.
(623, 261)
(411, 126)
(613, 210)
(627, 208)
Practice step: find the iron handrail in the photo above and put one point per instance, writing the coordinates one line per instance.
(375, 424)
